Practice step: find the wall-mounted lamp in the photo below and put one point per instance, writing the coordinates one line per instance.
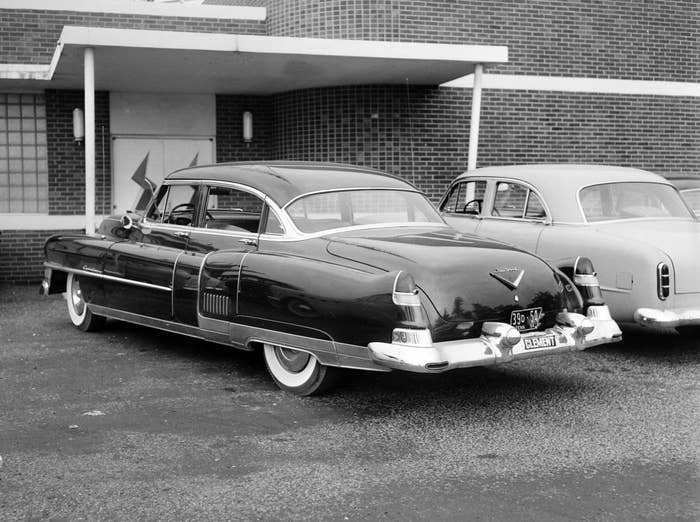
(247, 126)
(78, 125)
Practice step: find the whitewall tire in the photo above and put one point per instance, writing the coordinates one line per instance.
(297, 371)
(78, 311)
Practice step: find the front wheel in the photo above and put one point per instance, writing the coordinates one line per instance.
(298, 372)
(80, 314)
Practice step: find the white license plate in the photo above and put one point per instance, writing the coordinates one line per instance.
(537, 342)
(526, 320)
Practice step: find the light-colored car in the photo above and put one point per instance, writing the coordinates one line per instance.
(633, 224)
(689, 187)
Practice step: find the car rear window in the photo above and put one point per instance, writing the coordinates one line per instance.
(347, 208)
(630, 200)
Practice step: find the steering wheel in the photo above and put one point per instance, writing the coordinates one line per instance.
(183, 207)
(470, 211)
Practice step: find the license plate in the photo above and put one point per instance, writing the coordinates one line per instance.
(540, 341)
(526, 320)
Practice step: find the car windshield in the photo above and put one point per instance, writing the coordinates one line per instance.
(630, 200)
(347, 208)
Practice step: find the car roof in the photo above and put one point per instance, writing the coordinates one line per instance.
(284, 181)
(559, 184)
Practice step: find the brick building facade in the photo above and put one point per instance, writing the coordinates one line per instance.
(614, 83)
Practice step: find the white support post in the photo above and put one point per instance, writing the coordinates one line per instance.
(89, 83)
(476, 114)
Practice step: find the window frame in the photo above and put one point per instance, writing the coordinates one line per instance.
(491, 196)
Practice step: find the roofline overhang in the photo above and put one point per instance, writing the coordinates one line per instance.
(449, 61)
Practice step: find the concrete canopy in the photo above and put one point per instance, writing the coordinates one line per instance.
(168, 61)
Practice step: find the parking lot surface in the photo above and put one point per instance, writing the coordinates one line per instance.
(132, 423)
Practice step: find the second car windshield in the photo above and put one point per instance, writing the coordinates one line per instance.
(330, 210)
(613, 201)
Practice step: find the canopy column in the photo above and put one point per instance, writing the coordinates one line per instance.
(89, 86)
(476, 115)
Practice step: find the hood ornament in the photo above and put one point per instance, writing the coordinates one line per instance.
(511, 277)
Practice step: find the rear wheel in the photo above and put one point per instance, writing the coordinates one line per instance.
(298, 372)
(80, 314)
(689, 331)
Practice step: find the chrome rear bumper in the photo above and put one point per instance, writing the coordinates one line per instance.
(490, 349)
(667, 318)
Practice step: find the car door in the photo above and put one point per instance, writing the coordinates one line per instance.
(228, 228)
(463, 205)
(141, 267)
(515, 213)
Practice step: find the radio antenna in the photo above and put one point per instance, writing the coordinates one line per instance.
(410, 130)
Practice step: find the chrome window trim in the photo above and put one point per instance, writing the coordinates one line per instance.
(490, 197)
(668, 184)
(349, 189)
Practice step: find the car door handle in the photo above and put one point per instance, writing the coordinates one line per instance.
(182, 234)
(248, 241)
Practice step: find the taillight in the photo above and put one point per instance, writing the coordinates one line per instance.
(663, 281)
(586, 280)
(405, 292)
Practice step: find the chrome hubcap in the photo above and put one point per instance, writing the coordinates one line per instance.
(292, 360)
(77, 298)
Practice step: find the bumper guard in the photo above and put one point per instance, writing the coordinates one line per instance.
(667, 318)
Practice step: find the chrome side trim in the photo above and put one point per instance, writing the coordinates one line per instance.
(161, 324)
(106, 277)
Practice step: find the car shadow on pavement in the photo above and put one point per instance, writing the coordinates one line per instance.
(654, 344)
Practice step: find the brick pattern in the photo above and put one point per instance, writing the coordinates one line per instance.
(422, 133)
(229, 128)
(22, 255)
(67, 158)
(31, 36)
(627, 39)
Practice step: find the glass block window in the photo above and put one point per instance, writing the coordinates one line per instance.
(24, 171)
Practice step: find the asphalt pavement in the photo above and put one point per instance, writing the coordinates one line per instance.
(136, 424)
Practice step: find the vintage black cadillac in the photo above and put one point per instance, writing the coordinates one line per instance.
(323, 266)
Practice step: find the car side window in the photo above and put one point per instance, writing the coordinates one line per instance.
(535, 208)
(273, 225)
(517, 201)
(233, 209)
(174, 204)
(510, 200)
(466, 197)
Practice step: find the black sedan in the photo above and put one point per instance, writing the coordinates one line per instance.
(323, 266)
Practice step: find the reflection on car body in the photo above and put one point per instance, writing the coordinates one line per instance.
(323, 266)
(634, 225)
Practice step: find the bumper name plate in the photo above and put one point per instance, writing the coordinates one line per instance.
(537, 342)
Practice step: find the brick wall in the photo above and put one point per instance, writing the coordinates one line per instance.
(229, 128)
(67, 158)
(422, 133)
(22, 255)
(31, 36)
(657, 40)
